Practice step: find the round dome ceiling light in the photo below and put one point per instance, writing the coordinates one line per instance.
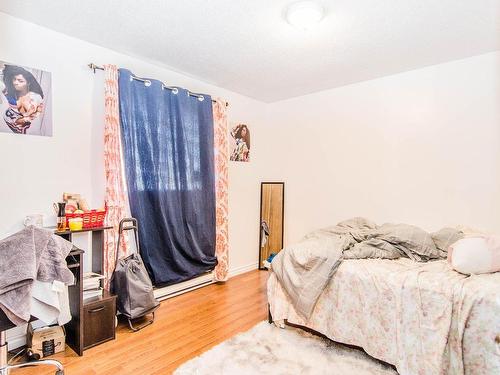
(304, 14)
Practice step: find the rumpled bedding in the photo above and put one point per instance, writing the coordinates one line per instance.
(424, 318)
(305, 268)
(28, 255)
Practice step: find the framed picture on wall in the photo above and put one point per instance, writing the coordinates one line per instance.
(25, 100)
(240, 143)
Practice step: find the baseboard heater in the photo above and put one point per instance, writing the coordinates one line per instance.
(183, 287)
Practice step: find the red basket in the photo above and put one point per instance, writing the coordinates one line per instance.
(91, 219)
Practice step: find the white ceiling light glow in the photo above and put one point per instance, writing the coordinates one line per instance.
(304, 14)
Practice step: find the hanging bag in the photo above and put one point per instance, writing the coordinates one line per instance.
(131, 283)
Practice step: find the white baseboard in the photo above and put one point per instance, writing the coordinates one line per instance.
(198, 282)
(242, 269)
(183, 287)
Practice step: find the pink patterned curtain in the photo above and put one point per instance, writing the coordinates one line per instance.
(115, 197)
(221, 189)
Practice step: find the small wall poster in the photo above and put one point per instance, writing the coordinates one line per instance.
(240, 143)
(25, 100)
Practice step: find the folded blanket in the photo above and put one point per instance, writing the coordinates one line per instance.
(28, 255)
(305, 268)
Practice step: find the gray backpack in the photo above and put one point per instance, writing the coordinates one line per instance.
(131, 283)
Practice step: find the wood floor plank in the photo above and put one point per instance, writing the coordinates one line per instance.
(185, 326)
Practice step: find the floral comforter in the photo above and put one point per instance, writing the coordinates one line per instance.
(424, 318)
(305, 268)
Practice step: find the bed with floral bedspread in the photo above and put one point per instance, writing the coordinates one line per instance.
(422, 317)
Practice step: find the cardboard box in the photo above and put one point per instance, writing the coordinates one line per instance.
(46, 340)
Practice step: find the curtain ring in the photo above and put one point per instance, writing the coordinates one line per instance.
(201, 98)
(147, 82)
(175, 90)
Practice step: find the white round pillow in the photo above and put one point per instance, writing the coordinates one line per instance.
(475, 255)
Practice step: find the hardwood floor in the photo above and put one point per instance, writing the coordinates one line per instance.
(185, 327)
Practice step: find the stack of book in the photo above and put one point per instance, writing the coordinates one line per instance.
(92, 285)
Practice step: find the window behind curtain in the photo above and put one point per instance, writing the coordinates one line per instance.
(169, 164)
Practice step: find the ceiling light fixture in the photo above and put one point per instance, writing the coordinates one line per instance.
(304, 14)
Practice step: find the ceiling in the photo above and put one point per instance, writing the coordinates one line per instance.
(247, 47)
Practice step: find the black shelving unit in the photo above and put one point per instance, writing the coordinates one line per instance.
(99, 311)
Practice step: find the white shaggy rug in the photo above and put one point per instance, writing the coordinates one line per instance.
(266, 349)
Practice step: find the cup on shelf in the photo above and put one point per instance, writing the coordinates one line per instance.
(34, 219)
(75, 223)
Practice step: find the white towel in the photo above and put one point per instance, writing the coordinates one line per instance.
(64, 311)
(50, 302)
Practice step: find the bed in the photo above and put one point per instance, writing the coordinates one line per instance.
(421, 317)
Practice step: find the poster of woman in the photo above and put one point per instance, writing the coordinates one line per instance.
(240, 144)
(25, 100)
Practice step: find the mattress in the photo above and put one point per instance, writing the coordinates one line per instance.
(423, 318)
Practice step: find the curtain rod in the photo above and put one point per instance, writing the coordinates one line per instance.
(95, 67)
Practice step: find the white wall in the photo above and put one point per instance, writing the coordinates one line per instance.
(35, 171)
(420, 147)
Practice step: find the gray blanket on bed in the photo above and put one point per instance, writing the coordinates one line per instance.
(305, 268)
(28, 255)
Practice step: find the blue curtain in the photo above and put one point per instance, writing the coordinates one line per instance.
(169, 162)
